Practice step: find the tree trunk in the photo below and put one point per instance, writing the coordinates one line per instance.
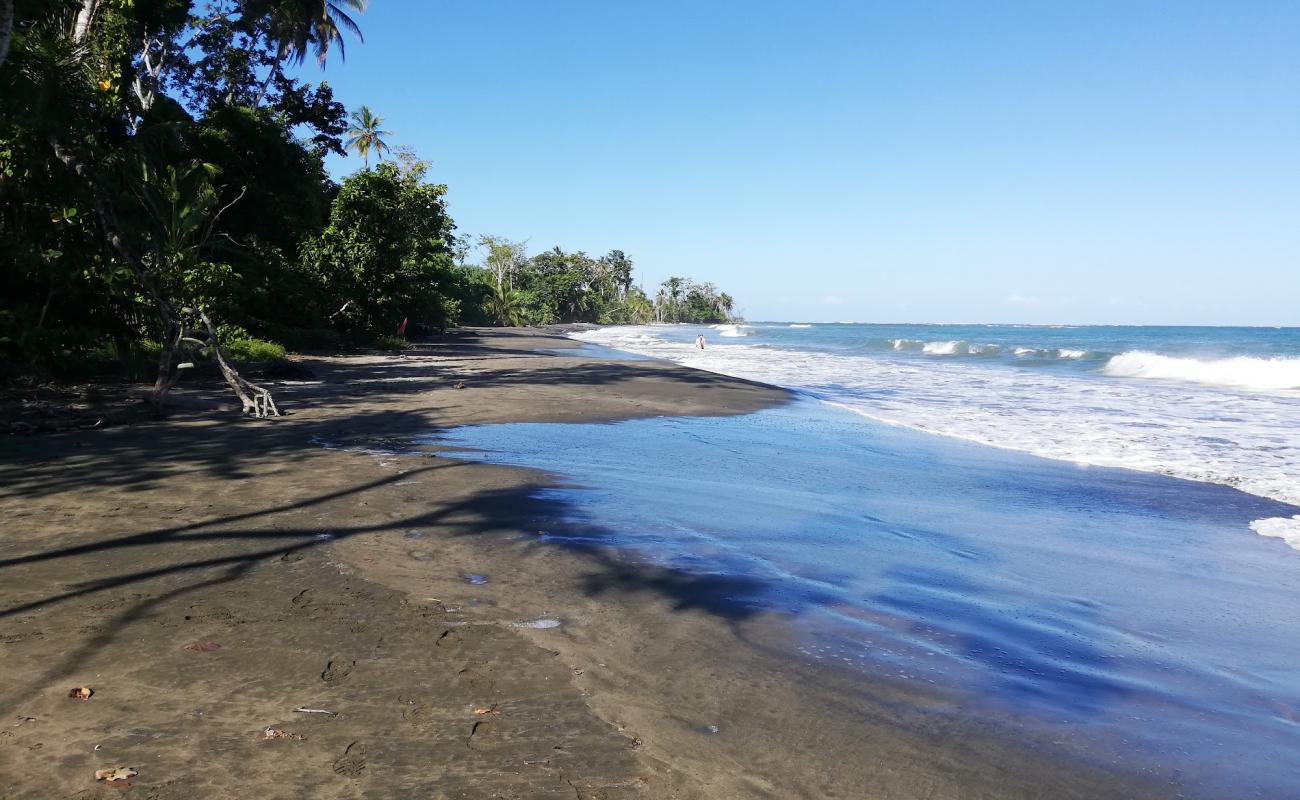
(84, 17)
(257, 401)
(6, 28)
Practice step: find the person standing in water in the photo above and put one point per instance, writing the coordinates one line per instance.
(699, 342)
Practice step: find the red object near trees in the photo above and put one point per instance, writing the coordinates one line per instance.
(401, 329)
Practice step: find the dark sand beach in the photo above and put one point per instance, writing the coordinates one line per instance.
(207, 575)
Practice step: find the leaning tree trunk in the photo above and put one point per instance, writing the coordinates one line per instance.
(6, 28)
(257, 401)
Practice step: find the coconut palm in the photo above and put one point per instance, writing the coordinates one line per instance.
(506, 305)
(300, 25)
(364, 134)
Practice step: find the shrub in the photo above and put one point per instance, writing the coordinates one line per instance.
(251, 349)
(394, 343)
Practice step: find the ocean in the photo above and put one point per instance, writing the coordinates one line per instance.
(1220, 405)
(1115, 575)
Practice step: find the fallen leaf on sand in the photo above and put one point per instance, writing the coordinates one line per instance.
(483, 712)
(202, 647)
(81, 693)
(116, 776)
(276, 733)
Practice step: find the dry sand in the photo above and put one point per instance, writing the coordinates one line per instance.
(333, 577)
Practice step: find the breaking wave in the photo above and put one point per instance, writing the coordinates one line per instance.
(1239, 372)
(732, 330)
(940, 348)
(1096, 408)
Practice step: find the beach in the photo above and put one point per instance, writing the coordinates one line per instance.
(206, 576)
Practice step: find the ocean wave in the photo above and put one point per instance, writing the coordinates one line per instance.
(1285, 528)
(961, 348)
(1238, 372)
(940, 348)
(799, 325)
(1247, 441)
(732, 330)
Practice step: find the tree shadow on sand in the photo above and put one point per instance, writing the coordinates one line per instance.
(189, 555)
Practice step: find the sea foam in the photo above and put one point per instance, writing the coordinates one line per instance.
(1285, 528)
(1240, 372)
(940, 348)
(1248, 440)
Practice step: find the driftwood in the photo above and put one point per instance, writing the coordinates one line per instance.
(257, 401)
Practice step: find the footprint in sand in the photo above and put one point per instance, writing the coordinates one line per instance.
(353, 761)
(420, 716)
(337, 670)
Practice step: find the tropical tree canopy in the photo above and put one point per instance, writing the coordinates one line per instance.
(162, 180)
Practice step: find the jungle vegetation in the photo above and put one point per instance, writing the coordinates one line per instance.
(164, 200)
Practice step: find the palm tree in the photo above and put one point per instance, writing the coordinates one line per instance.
(364, 134)
(670, 292)
(298, 25)
(725, 305)
(507, 306)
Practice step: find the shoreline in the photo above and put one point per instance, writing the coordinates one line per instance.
(335, 578)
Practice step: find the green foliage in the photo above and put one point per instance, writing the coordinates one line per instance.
(393, 343)
(252, 350)
(506, 306)
(557, 286)
(683, 300)
(158, 154)
(385, 255)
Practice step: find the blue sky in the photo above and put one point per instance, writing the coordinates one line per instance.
(1097, 162)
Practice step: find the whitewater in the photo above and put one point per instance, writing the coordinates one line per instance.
(1205, 404)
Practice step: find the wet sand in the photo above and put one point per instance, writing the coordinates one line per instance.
(328, 560)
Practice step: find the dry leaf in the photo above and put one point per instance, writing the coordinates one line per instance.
(116, 776)
(483, 712)
(81, 693)
(276, 733)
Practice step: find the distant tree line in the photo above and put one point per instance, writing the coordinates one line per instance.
(555, 286)
(163, 197)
